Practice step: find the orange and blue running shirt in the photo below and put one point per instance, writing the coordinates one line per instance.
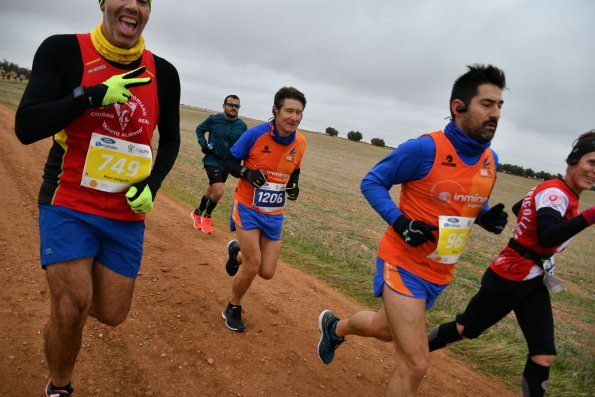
(261, 148)
(109, 148)
(553, 194)
(441, 174)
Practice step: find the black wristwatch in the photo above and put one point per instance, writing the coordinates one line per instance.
(79, 95)
(243, 171)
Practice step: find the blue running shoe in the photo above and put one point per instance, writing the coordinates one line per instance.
(329, 340)
(233, 317)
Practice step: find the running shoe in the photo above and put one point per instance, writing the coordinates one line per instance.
(233, 317)
(231, 264)
(50, 391)
(196, 219)
(206, 225)
(329, 340)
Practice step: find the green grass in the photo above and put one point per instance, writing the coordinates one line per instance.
(11, 92)
(331, 232)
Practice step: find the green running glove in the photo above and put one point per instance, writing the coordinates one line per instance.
(140, 201)
(117, 86)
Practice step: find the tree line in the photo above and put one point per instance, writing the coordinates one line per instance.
(355, 136)
(12, 69)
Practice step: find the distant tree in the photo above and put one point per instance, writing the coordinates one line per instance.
(378, 142)
(355, 136)
(331, 131)
(529, 173)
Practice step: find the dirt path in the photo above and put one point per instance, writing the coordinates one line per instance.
(174, 342)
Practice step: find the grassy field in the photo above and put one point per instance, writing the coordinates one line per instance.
(333, 233)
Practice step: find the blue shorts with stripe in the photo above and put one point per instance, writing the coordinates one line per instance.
(250, 219)
(405, 283)
(67, 235)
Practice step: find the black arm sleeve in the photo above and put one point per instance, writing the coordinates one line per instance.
(168, 92)
(517, 207)
(47, 105)
(294, 178)
(232, 165)
(551, 231)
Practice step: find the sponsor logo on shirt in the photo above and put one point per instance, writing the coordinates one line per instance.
(265, 149)
(445, 192)
(449, 161)
(552, 200)
(486, 171)
(291, 156)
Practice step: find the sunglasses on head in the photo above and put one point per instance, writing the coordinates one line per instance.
(233, 105)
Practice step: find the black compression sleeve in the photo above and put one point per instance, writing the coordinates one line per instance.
(168, 93)
(232, 165)
(47, 105)
(551, 231)
(517, 207)
(294, 178)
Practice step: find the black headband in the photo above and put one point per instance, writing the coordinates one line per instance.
(580, 150)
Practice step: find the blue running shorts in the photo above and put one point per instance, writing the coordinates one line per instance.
(405, 283)
(250, 219)
(66, 235)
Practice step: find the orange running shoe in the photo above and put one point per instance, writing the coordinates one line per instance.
(197, 220)
(206, 225)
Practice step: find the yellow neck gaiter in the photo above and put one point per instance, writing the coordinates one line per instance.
(113, 53)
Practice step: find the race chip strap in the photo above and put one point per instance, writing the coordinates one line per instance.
(113, 165)
(452, 238)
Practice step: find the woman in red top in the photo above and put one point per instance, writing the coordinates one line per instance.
(519, 278)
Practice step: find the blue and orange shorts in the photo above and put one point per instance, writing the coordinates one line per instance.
(250, 219)
(66, 235)
(405, 283)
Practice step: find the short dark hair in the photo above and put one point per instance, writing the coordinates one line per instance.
(230, 96)
(288, 93)
(465, 87)
(582, 145)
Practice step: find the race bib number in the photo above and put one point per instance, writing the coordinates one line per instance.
(269, 197)
(453, 234)
(112, 164)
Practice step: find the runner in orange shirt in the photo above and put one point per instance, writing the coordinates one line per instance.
(446, 179)
(267, 159)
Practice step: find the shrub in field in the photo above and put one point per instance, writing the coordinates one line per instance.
(355, 136)
(378, 142)
(331, 131)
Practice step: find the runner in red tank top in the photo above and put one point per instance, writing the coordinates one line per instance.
(100, 96)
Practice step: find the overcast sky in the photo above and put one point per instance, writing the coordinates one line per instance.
(384, 68)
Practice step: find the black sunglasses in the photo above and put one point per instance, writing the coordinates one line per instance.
(233, 105)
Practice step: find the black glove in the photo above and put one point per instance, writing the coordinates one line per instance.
(414, 233)
(494, 220)
(292, 191)
(255, 177)
(208, 148)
